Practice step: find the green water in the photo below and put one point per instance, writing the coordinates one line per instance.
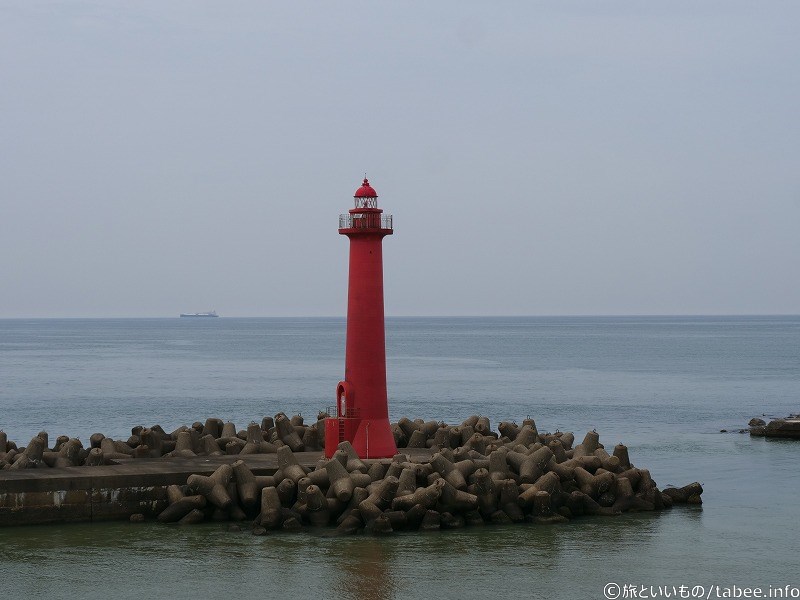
(123, 560)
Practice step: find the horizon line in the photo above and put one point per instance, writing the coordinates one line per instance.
(468, 316)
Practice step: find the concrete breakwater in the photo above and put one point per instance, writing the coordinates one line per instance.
(272, 476)
(788, 428)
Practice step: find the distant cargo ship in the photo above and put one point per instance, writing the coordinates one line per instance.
(213, 313)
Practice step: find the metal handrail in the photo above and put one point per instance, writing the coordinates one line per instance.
(352, 413)
(365, 221)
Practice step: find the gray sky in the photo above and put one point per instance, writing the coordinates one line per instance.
(539, 158)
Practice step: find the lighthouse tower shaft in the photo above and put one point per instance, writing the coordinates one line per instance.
(365, 354)
(361, 399)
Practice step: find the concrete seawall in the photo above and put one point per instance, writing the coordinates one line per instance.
(111, 492)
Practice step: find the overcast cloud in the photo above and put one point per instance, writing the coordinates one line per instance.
(539, 158)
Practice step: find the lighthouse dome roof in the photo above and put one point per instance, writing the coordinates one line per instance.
(365, 191)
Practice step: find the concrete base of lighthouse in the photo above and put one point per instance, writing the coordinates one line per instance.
(371, 438)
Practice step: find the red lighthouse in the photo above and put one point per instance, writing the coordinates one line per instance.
(361, 402)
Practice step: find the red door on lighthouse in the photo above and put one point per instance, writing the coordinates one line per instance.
(361, 399)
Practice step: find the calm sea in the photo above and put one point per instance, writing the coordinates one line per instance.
(665, 386)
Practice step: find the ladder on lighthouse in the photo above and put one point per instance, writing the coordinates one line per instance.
(334, 412)
(352, 413)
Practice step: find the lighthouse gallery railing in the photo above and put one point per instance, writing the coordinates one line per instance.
(365, 221)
